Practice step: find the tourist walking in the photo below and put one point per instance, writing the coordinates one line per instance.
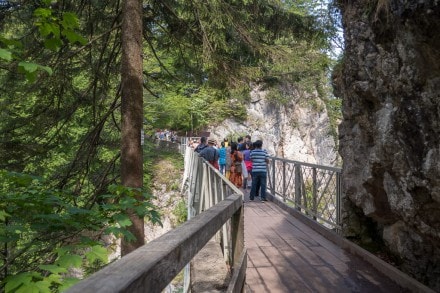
(228, 162)
(210, 153)
(201, 145)
(236, 166)
(260, 159)
(248, 165)
(222, 157)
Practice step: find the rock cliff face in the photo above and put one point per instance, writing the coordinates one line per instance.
(298, 130)
(390, 134)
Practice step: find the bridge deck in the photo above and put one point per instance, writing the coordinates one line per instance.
(284, 255)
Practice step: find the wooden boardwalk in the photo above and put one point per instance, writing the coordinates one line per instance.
(285, 255)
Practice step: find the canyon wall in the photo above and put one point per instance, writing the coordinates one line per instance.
(297, 130)
(389, 81)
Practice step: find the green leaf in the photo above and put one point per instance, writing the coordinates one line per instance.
(5, 54)
(43, 12)
(3, 215)
(31, 76)
(97, 253)
(78, 211)
(45, 29)
(28, 288)
(53, 268)
(70, 20)
(74, 37)
(113, 230)
(43, 286)
(53, 44)
(128, 236)
(28, 67)
(11, 43)
(54, 278)
(123, 220)
(69, 260)
(13, 282)
(46, 68)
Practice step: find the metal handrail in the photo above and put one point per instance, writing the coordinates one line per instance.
(315, 190)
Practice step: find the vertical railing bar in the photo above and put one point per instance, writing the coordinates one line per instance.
(226, 244)
(298, 186)
(314, 193)
(305, 202)
(273, 177)
(284, 181)
(237, 229)
(338, 200)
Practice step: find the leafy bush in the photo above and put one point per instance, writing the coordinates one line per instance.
(181, 212)
(46, 231)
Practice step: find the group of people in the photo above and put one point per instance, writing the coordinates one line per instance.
(166, 135)
(243, 162)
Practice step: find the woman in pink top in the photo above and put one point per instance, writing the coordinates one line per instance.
(247, 161)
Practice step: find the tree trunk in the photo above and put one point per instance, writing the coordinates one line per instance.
(132, 111)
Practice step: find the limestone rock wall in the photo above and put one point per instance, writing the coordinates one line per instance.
(390, 133)
(296, 131)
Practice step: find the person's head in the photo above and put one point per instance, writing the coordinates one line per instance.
(233, 147)
(240, 139)
(258, 144)
(203, 139)
(247, 137)
(248, 145)
(211, 142)
(222, 144)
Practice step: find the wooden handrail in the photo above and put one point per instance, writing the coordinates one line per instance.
(153, 266)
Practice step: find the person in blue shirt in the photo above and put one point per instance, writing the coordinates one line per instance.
(201, 145)
(222, 157)
(260, 159)
(210, 153)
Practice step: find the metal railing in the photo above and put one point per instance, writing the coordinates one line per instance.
(314, 190)
(215, 212)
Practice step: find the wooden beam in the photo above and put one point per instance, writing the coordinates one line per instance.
(153, 266)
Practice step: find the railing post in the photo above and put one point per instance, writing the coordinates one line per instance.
(273, 189)
(284, 181)
(237, 231)
(338, 198)
(298, 186)
(314, 194)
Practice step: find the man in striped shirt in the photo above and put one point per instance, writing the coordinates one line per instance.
(260, 159)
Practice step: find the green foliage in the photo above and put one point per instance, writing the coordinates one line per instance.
(55, 32)
(5, 54)
(181, 212)
(206, 54)
(53, 28)
(276, 96)
(334, 111)
(46, 231)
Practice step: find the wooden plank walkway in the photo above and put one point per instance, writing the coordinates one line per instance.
(285, 255)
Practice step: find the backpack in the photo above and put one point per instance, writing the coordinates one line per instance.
(237, 163)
